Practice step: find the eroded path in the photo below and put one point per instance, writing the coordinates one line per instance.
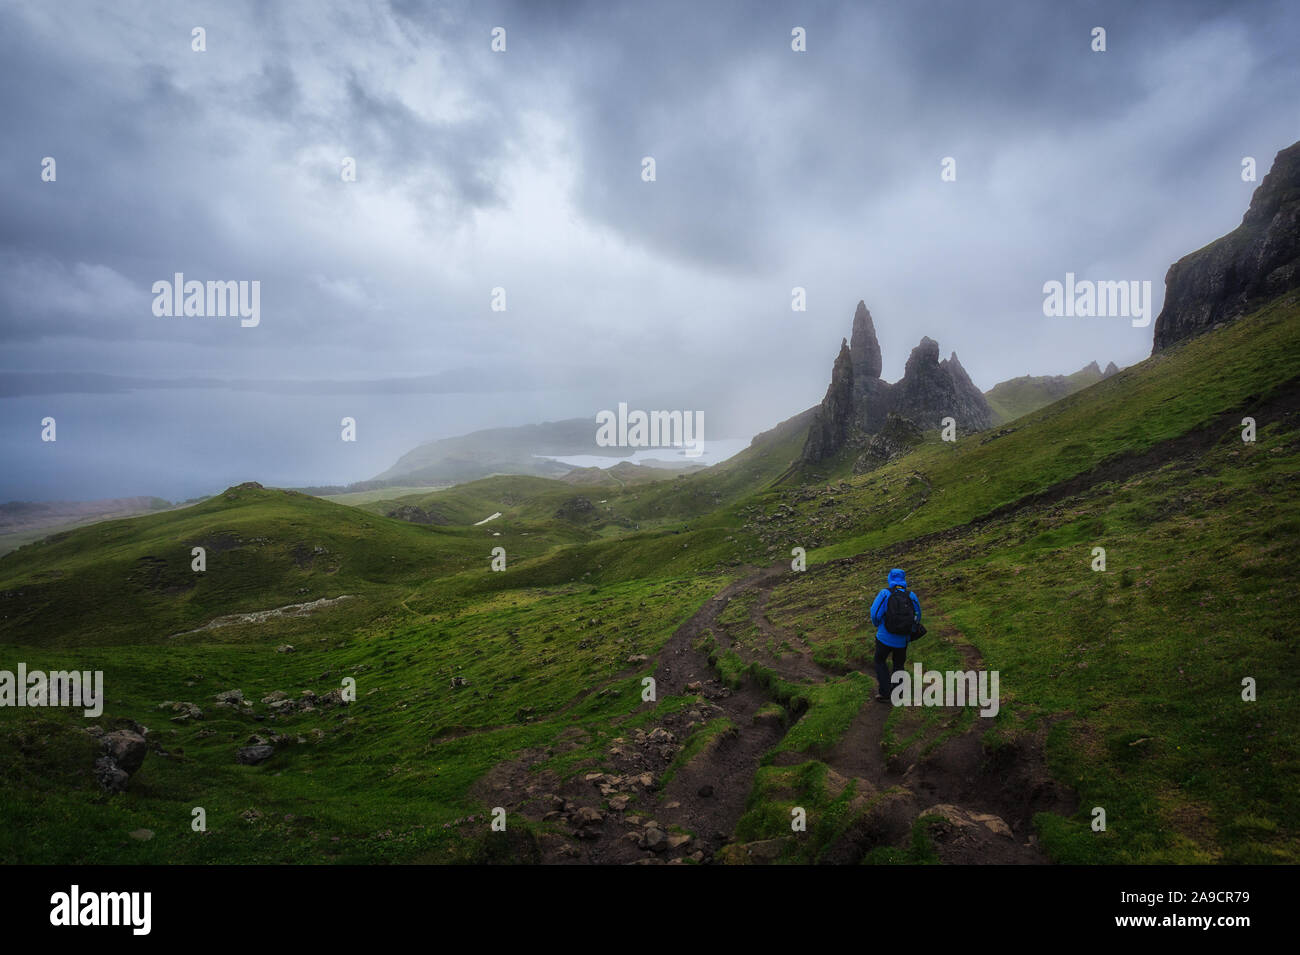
(675, 790)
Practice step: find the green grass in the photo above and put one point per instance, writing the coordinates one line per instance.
(1137, 670)
(388, 770)
(831, 707)
(1018, 397)
(1160, 398)
(383, 495)
(829, 806)
(696, 743)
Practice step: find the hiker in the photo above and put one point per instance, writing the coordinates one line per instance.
(896, 618)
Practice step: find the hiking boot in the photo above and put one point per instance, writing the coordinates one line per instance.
(881, 698)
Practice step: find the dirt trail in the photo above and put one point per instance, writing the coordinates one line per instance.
(707, 795)
(628, 814)
(986, 800)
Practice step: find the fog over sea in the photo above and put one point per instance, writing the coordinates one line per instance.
(184, 443)
(181, 444)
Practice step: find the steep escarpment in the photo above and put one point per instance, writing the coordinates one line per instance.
(1239, 272)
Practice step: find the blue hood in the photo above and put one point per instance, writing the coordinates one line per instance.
(897, 577)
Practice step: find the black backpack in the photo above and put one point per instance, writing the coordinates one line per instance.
(900, 613)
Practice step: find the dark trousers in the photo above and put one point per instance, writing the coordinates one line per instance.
(882, 672)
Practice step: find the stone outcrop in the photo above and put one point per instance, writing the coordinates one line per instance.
(577, 510)
(252, 755)
(833, 421)
(416, 515)
(969, 406)
(123, 754)
(863, 346)
(898, 436)
(1244, 269)
(871, 400)
(859, 403)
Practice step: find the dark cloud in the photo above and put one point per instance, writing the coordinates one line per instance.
(522, 170)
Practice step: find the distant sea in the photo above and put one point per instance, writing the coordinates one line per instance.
(179, 444)
(715, 450)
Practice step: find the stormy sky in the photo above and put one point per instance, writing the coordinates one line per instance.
(522, 169)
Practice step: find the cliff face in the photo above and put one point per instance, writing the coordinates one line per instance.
(833, 421)
(1232, 276)
(864, 346)
(871, 400)
(859, 403)
(970, 407)
(895, 438)
(931, 390)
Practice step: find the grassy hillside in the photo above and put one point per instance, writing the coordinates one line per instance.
(131, 581)
(24, 522)
(495, 450)
(378, 494)
(624, 474)
(1019, 396)
(475, 689)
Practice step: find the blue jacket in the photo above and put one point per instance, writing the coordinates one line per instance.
(896, 577)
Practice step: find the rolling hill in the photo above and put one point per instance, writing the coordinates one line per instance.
(1017, 397)
(1193, 520)
(1098, 553)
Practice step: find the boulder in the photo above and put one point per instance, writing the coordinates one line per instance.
(965, 819)
(126, 748)
(185, 711)
(252, 755)
(588, 816)
(110, 778)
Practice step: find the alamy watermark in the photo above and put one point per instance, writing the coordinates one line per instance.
(1088, 299)
(947, 688)
(193, 299)
(56, 688)
(75, 907)
(653, 429)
